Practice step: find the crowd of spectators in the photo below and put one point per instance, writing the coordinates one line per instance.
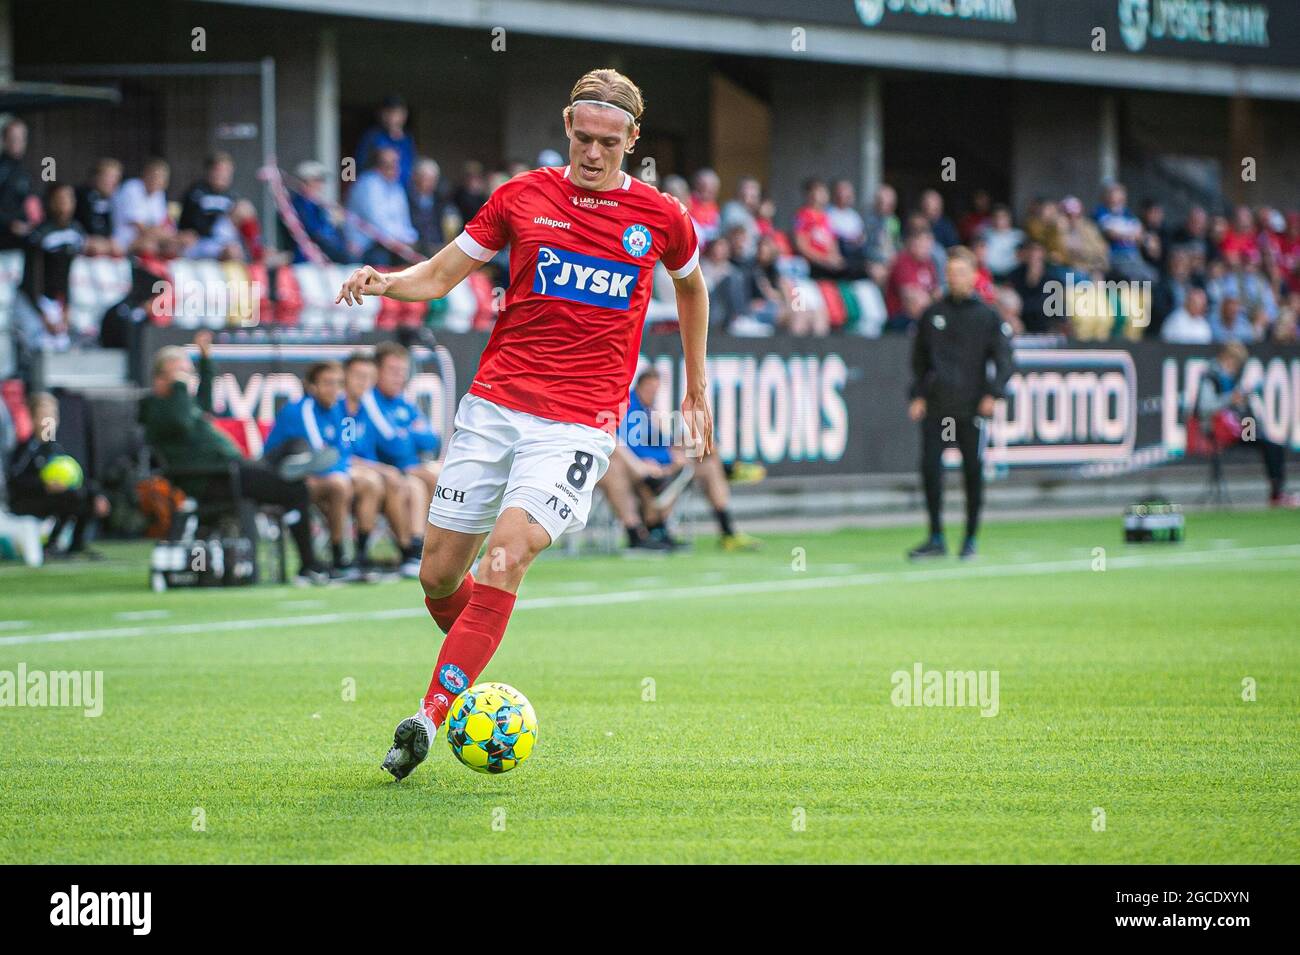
(1054, 268)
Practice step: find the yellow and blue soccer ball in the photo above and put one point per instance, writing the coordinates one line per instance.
(491, 727)
(62, 469)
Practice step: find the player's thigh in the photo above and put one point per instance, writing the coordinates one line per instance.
(555, 471)
(466, 497)
(516, 539)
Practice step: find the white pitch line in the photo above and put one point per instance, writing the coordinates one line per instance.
(143, 614)
(1080, 565)
(15, 624)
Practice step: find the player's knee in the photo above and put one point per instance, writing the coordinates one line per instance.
(438, 581)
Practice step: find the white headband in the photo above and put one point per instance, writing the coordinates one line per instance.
(600, 102)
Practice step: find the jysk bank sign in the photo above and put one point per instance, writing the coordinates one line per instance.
(872, 12)
(1193, 21)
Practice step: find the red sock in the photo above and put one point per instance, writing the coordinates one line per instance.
(469, 646)
(445, 610)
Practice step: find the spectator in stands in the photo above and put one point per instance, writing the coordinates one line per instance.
(1195, 235)
(315, 216)
(985, 287)
(1189, 324)
(401, 492)
(428, 207)
(1008, 306)
(404, 437)
(767, 226)
(1077, 244)
(51, 247)
(315, 422)
(141, 223)
(703, 204)
(1123, 231)
(1155, 235)
(742, 212)
(19, 207)
(884, 233)
(931, 206)
(813, 237)
(389, 133)
(35, 495)
(379, 201)
(95, 207)
(1003, 240)
(1236, 277)
(913, 269)
(1289, 252)
(1170, 293)
(727, 285)
(176, 426)
(1034, 280)
(768, 303)
(977, 219)
(1286, 330)
(205, 212)
(847, 224)
(679, 189)
(1230, 323)
(472, 191)
(1241, 240)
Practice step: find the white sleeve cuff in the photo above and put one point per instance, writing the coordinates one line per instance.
(688, 268)
(467, 244)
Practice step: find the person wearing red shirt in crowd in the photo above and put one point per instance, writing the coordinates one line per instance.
(980, 215)
(767, 227)
(914, 267)
(534, 434)
(1241, 237)
(1289, 252)
(985, 289)
(703, 205)
(814, 239)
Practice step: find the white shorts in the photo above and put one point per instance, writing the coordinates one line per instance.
(499, 458)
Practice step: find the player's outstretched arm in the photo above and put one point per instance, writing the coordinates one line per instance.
(693, 318)
(432, 278)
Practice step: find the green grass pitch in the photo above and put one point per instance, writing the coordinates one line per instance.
(770, 736)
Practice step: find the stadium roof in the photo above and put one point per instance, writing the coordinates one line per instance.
(1247, 49)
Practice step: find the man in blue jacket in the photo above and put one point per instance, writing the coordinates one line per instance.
(404, 439)
(315, 421)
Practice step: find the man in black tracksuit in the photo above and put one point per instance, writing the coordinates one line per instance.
(953, 391)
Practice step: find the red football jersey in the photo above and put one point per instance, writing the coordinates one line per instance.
(581, 268)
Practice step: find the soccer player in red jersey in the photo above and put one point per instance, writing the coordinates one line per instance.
(534, 434)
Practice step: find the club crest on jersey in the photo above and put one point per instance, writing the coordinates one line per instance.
(636, 240)
(584, 278)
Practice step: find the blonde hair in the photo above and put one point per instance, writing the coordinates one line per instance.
(608, 86)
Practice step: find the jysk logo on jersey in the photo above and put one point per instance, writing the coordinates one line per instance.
(584, 278)
(636, 240)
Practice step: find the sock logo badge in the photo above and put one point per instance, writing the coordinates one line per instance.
(453, 678)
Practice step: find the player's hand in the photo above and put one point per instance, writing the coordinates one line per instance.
(366, 280)
(916, 410)
(203, 342)
(986, 407)
(699, 424)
